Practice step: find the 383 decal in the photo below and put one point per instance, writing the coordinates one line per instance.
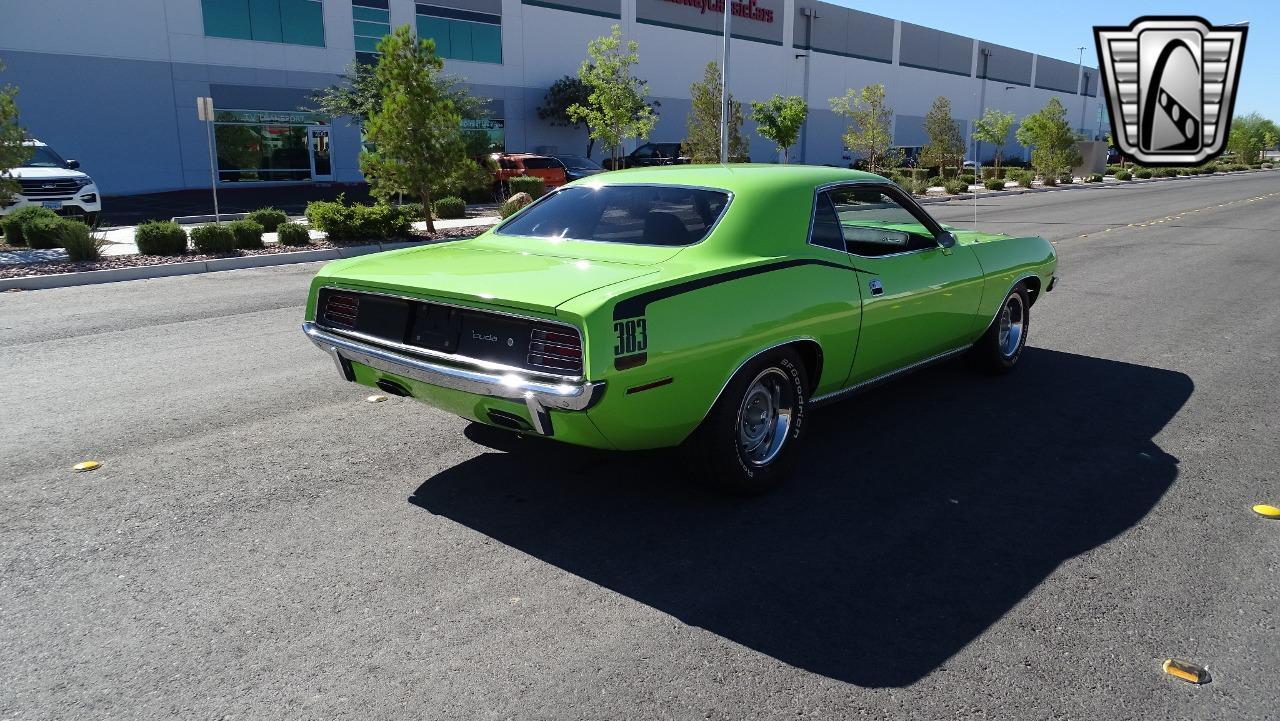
(632, 336)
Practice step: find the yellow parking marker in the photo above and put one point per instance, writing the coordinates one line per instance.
(1263, 509)
(1186, 670)
(83, 466)
(376, 399)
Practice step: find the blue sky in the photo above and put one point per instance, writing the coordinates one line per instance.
(1058, 28)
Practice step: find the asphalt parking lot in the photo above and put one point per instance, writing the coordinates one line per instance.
(262, 543)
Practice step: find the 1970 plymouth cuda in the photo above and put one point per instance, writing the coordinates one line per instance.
(709, 306)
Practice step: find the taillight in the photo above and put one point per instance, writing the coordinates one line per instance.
(340, 309)
(556, 350)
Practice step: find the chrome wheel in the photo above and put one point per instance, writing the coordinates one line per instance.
(764, 418)
(1013, 318)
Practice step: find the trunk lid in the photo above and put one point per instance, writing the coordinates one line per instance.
(505, 274)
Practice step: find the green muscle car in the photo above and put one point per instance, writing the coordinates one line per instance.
(706, 306)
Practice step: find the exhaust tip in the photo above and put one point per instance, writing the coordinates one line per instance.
(395, 389)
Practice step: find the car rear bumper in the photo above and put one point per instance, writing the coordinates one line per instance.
(539, 396)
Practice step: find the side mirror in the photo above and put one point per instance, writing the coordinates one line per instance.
(946, 240)
(73, 165)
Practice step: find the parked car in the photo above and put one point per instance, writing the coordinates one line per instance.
(577, 167)
(1114, 156)
(510, 165)
(647, 155)
(704, 306)
(50, 181)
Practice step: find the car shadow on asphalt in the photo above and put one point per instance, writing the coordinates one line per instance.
(920, 513)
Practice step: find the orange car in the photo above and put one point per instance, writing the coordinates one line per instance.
(511, 165)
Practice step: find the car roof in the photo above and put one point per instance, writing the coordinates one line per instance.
(735, 177)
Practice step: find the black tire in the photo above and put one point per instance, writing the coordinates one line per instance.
(1000, 347)
(719, 450)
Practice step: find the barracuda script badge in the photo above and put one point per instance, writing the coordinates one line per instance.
(1170, 87)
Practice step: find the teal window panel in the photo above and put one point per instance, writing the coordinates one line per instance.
(486, 42)
(373, 15)
(372, 30)
(460, 41)
(302, 22)
(264, 20)
(367, 45)
(226, 19)
(437, 29)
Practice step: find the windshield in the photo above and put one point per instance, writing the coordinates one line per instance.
(44, 157)
(639, 214)
(578, 162)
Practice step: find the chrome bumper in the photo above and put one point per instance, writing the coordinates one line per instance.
(538, 395)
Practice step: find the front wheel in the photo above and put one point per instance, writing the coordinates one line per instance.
(747, 443)
(999, 349)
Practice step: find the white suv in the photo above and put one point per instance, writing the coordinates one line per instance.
(48, 180)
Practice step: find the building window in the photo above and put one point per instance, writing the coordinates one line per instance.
(296, 22)
(462, 34)
(268, 145)
(372, 22)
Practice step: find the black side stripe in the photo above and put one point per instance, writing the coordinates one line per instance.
(636, 305)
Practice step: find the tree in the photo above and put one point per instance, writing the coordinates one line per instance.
(615, 108)
(702, 144)
(946, 144)
(1270, 139)
(416, 129)
(993, 127)
(1053, 143)
(563, 94)
(12, 152)
(1248, 137)
(870, 131)
(779, 119)
(359, 95)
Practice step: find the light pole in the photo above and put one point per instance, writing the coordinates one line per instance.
(982, 101)
(724, 87)
(809, 16)
(1079, 77)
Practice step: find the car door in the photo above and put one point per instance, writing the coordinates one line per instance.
(919, 297)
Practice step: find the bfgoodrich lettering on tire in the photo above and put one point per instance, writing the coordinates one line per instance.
(747, 443)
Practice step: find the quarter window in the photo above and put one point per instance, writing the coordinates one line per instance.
(871, 222)
(294, 22)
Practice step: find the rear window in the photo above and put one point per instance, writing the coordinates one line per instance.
(540, 163)
(638, 214)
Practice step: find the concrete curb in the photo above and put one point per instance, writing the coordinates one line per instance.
(165, 270)
(927, 200)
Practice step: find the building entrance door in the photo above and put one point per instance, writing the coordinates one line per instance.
(321, 158)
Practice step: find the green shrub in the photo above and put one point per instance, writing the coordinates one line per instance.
(213, 239)
(1124, 175)
(1019, 176)
(450, 207)
(330, 216)
(1050, 181)
(1239, 166)
(1165, 172)
(1143, 173)
(13, 222)
(513, 204)
(956, 186)
(293, 234)
(1094, 178)
(160, 237)
(919, 186)
(994, 183)
(535, 187)
(413, 211)
(42, 232)
(247, 232)
(969, 178)
(919, 173)
(1255, 166)
(78, 240)
(359, 222)
(1066, 179)
(268, 218)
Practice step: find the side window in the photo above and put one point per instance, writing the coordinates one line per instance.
(644, 151)
(826, 226)
(872, 223)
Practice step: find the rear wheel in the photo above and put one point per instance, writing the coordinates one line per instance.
(999, 349)
(747, 443)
